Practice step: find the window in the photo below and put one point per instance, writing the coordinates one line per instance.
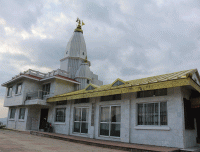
(60, 114)
(9, 92)
(12, 113)
(152, 113)
(152, 93)
(46, 89)
(81, 120)
(90, 88)
(117, 83)
(61, 102)
(82, 100)
(111, 97)
(88, 81)
(19, 88)
(110, 121)
(22, 113)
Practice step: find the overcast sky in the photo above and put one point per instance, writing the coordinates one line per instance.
(125, 39)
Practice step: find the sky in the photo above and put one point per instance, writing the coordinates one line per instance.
(126, 39)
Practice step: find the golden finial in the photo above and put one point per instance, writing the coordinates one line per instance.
(78, 28)
(86, 59)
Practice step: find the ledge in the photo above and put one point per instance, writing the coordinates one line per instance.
(152, 128)
(18, 94)
(59, 123)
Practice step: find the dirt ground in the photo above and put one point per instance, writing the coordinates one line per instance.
(11, 141)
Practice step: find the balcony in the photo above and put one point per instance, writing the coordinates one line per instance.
(36, 98)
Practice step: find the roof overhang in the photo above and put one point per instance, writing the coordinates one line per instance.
(126, 89)
(40, 79)
(57, 77)
(17, 78)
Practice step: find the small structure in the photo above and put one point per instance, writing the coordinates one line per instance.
(161, 110)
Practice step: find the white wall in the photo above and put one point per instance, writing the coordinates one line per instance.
(59, 127)
(19, 99)
(170, 135)
(61, 87)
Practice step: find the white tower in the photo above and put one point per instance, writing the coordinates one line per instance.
(75, 60)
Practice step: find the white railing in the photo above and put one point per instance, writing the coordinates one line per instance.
(43, 75)
(36, 95)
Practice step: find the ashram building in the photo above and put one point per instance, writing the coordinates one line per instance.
(161, 110)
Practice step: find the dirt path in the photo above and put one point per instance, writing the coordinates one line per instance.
(11, 141)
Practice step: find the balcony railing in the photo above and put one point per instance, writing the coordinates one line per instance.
(37, 95)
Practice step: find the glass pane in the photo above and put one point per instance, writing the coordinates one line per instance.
(163, 113)
(85, 114)
(22, 113)
(104, 129)
(12, 114)
(140, 114)
(60, 115)
(149, 93)
(84, 127)
(116, 114)
(77, 116)
(149, 114)
(76, 126)
(105, 114)
(115, 130)
(156, 114)
(19, 88)
(161, 92)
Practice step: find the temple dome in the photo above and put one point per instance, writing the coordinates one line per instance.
(84, 71)
(76, 46)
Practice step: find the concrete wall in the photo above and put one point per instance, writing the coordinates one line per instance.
(19, 99)
(61, 87)
(59, 127)
(170, 135)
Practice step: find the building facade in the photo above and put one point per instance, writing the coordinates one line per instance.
(161, 110)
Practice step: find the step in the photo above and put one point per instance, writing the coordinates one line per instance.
(106, 144)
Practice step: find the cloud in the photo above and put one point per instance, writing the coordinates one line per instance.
(125, 39)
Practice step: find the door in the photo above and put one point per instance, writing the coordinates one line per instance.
(43, 118)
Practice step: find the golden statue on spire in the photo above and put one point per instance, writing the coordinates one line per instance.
(78, 28)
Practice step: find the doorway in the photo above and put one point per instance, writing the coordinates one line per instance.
(43, 118)
(197, 116)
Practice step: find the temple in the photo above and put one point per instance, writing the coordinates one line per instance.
(162, 110)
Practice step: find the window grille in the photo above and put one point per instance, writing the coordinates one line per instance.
(111, 97)
(61, 102)
(152, 93)
(82, 100)
(152, 113)
(60, 114)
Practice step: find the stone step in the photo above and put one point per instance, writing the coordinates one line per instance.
(191, 149)
(107, 144)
